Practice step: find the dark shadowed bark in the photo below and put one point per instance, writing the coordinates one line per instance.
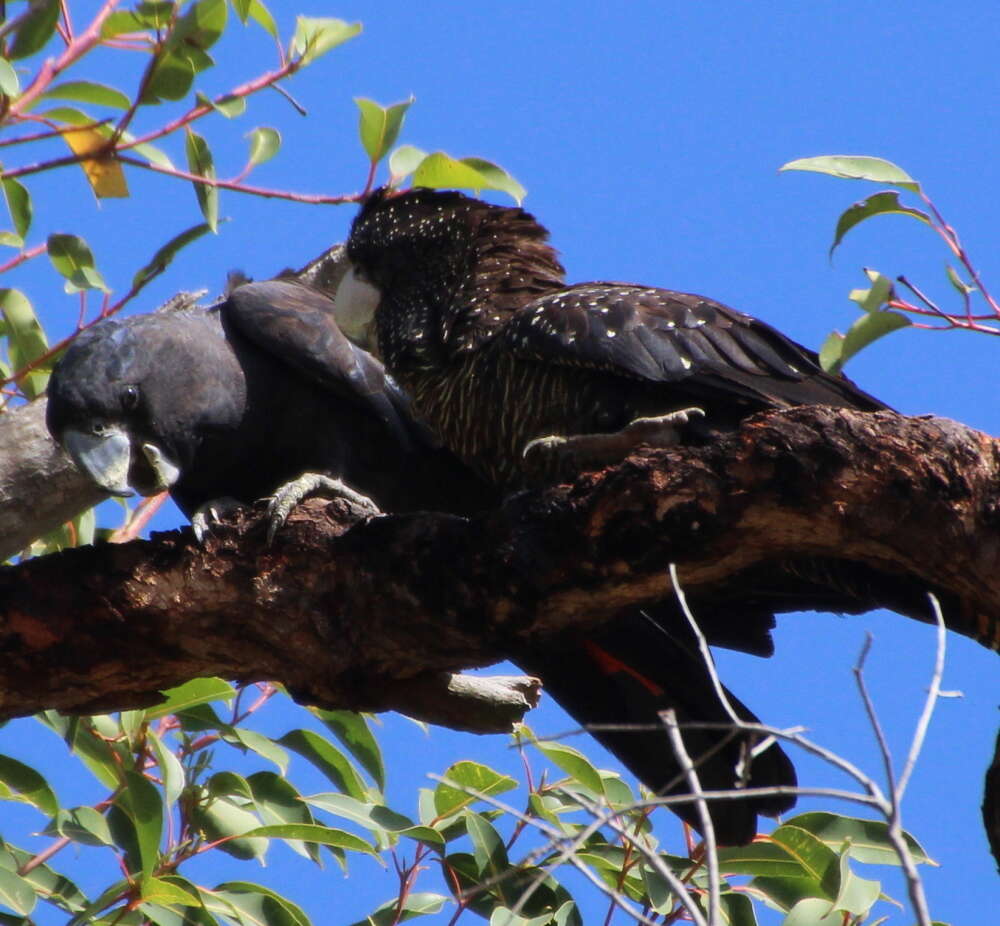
(347, 616)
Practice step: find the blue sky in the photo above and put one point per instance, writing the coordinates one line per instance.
(649, 136)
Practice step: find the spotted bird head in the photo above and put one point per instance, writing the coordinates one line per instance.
(444, 271)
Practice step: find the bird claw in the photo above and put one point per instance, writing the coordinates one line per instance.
(602, 449)
(291, 493)
(212, 512)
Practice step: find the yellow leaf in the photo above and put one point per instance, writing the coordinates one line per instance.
(105, 175)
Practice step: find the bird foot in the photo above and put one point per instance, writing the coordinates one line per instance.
(211, 513)
(291, 493)
(602, 449)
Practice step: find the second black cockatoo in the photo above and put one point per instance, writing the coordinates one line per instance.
(237, 400)
(521, 374)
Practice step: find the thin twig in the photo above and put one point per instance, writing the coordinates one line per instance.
(669, 718)
(309, 198)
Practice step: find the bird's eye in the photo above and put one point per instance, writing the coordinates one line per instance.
(130, 397)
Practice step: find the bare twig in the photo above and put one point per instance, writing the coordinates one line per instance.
(669, 718)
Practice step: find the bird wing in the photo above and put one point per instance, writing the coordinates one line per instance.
(296, 324)
(659, 335)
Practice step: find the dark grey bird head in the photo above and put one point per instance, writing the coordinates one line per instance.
(445, 271)
(123, 401)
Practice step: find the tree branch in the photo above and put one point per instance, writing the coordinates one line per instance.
(347, 612)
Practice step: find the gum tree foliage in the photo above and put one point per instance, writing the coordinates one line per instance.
(170, 793)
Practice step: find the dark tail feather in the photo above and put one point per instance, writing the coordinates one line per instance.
(625, 674)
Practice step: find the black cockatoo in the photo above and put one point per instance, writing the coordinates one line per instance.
(238, 400)
(521, 374)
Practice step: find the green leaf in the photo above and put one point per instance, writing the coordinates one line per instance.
(574, 764)
(160, 261)
(963, 288)
(856, 895)
(278, 801)
(86, 91)
(27, 339)
(379, 126)
(58, 890)
(20, 782)
(230, 107)
(810, 911)
(497, 178)
(264, 746)
(817, 859)
(229, 784)
(737, 910)
(315, 36)
(156, 890)
(149, 15)
(102, 758)
(881, 291)
(760, 858)
(328, 759)
(420, 903)
(10, 240)
(376, 817)
(315, 832)
(353, 731)
(851, 167)
(448, 799)
(405, 160)
(487, 849)
(9, 84)
(72, 257)
(838, 349)
(265, 143)
(38, 26)
(16, 893)
(869, 839)
(140, 801)
(199, 158)
(19, 205)
(884, 203)
(83, 825)
(259, 904)
(441, 171)
(198, 690)
(201, 26)
(223, 819)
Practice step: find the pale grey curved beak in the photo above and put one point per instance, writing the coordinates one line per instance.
(104, 457)
(354, 305)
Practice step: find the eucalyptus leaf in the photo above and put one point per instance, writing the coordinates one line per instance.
(865, 330)
(200, 161)
(35, 30)
(448, 799)
(197, 691)
(87, 91)
(884, 203)
(159, 262)
(72, 257)
(856, 167)
(354, 732)
(20, 782)
(315, 36)
(265, 143)
(379, 125)
(19, 205)
(328, 759)
(869, 839)
(9, 84)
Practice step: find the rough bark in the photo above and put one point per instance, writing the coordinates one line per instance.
(348, 612)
